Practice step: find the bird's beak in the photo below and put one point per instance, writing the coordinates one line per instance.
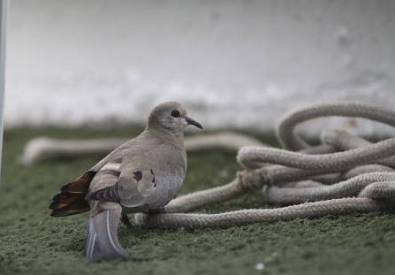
(190, 121)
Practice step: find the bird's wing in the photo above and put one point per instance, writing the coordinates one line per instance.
(125, 183)
(71, 198)
(152, 179)
(145, 180)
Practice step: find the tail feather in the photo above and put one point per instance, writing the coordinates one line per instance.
(71, 199)
(103, 243)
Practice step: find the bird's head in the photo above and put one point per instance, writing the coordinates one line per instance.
(170, 117)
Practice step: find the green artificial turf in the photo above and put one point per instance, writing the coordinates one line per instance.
(32, 242)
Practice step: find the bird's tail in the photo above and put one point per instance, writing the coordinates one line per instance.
(103, 243)
(71, 199)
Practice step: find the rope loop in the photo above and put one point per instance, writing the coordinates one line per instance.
(253, 180)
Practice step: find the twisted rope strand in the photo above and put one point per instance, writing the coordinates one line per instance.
(289, 140)
(364, 169)
(342, 189)
(249, 216)
(380, 190)
(42, 148)
(343, 140)
(199, 199)
(325, 162)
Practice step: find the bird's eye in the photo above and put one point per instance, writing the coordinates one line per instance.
(175, 113)
(138, 175)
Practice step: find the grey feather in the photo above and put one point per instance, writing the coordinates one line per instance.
(108, 194)
(103, 243)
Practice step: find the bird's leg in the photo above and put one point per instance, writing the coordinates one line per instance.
(156, 211)
(125, 219)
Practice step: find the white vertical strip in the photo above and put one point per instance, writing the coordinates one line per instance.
(3, 29)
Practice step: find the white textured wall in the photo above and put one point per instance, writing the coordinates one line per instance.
(234, 63)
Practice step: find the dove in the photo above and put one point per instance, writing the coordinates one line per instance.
(141, 175)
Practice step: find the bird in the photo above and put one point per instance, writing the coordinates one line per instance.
(141, 175)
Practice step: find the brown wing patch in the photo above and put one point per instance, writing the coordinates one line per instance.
(71, 199)
(79, 185)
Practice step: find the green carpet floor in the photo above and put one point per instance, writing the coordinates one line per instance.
(32, 242)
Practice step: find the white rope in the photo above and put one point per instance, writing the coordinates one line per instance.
(379, 191)
(364, 169)
(248, 216)
(325, 162)
(42, 148)
(343, 140)
(289, 140)
(347, 188)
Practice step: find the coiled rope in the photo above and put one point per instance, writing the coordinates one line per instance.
(344, 174)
